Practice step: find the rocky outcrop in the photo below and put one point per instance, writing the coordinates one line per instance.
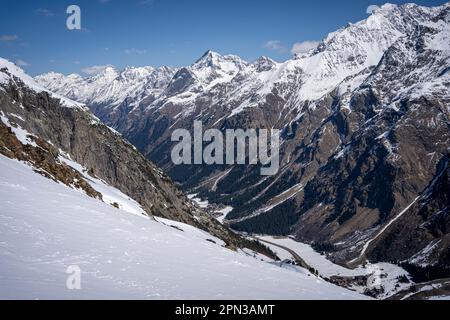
(44, 158)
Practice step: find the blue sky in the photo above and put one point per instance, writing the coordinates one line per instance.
(166, 32)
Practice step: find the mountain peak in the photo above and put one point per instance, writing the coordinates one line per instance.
(13, 70)
(264, 63)
(208, 59)
(109, 73)
(210, 53)
(388, 6)
(109, 70)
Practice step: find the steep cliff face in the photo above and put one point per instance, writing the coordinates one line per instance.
(389, 159)
(59, 131)
(365, 126)
(107, 155)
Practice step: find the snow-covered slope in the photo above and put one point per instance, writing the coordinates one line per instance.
(10, 70)
(45, 227)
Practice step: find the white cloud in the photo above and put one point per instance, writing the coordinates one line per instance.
(274, 45)
(95, 69)
(45, 12)
(8, 37)
(135, 51)
(22, 63)
(372, 8)
(304, 47)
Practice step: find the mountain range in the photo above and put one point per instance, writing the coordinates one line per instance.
(364, 119)
(364, 154)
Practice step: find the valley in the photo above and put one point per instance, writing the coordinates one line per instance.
(364, 130)
(323, 176)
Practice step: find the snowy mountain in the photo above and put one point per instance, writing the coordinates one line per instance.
(47, 227)
(109, 86)
(75, 196)
(41, 129)
(344, 53)
(365, 131)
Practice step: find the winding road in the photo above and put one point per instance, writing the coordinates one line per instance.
(294, 254)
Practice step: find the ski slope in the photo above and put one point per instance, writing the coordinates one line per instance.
(45, 227)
